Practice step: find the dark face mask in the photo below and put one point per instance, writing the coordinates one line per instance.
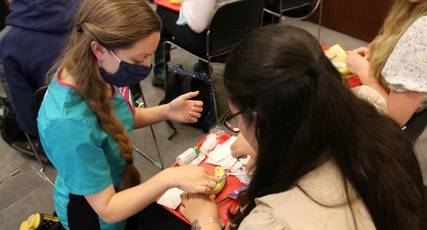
(127, 74)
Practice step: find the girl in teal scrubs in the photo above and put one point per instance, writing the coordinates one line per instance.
(87, 113)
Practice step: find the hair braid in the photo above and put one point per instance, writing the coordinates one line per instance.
(109, 26)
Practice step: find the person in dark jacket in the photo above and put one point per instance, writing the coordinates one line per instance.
(37, 34)
(4, 11)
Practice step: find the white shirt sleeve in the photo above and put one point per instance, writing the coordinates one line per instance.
(406, 67)
(198, 13)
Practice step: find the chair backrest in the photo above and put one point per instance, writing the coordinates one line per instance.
(294, 4)
(292, 8)
(416, 125)
(231, 22)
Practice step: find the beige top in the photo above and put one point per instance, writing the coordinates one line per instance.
(295, 210)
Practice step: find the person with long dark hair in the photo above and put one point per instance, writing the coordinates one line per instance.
(324, 159)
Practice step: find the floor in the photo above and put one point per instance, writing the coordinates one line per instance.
(23, 192)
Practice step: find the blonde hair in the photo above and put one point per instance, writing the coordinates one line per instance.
(401, 16)
(114, 24)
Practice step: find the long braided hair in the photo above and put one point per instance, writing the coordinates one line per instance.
(115, 24)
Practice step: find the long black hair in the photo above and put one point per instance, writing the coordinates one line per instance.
(305, 116)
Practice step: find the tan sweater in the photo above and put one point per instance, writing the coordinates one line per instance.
(294, 210)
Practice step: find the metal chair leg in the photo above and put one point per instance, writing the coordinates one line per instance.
(165, 65)
(156, 144)
(140, 152)
(319, 28)
(37, 155)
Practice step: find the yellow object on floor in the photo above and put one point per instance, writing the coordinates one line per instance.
(38, 221)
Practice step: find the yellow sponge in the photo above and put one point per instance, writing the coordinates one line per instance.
(219, 173)
(338, 55)
(176, 2)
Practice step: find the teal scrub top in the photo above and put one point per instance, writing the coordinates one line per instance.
(86, 158)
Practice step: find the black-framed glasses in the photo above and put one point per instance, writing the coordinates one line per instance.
(226, 122)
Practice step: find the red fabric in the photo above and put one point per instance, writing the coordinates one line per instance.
(125, 92)
(232, 183)
(63, 83)
(353, 81)
(168, 5)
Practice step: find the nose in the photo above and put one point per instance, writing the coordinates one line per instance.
(237, 154)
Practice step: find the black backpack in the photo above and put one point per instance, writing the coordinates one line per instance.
(180, 82)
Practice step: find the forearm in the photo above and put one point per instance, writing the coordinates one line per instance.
(130, 201)
(399, 118)
(368, 79)
(149, 116)
(402, 106)
(379, 88)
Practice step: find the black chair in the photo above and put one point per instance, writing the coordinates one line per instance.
(297, 9)
(416, 125)
(287, 8)
(230, 23)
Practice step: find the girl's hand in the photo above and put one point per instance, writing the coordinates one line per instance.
(184, 110)
(363, 51)
(198, 207)
(192, 179)
(358, 64)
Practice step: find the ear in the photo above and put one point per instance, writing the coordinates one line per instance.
(98, 50)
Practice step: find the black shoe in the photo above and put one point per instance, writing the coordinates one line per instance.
(39, 221)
